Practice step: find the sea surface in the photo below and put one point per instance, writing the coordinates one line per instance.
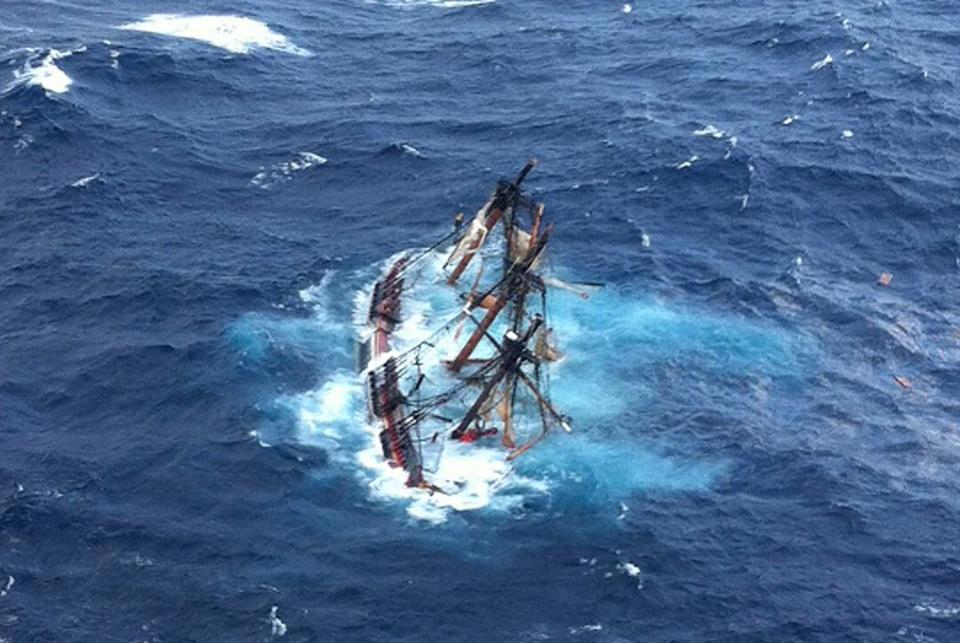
(194, 197)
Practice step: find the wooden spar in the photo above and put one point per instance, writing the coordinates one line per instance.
(489, 222)
(535, 228)
(504, 200)
(512, 353)
(478, 334)
(544, 402)
(474, 410)
(508, 439)
(518, 270)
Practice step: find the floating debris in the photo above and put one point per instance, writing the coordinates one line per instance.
(903, 382)
(627, 8)
(790, 120)
(847, 133)
(885, 279)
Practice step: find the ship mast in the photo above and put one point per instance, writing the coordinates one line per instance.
(522, 253)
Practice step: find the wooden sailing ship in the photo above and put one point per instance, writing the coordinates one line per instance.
(506, 320)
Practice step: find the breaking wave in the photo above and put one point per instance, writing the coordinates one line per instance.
(41, 70)
(443, 4)
(236, 34)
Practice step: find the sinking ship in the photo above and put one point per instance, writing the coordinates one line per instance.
(481, 376)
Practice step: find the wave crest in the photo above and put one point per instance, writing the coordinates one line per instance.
(236, 34)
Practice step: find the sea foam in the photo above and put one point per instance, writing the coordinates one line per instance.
(42, 71)
(236, 34)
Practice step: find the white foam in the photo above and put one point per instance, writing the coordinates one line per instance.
(43, 72)
(848, 52)
(266, 178)
(823, 62)
(323, 412)
(733, 145)
(946, 611)
(411, 150)
(709, 130)
(236, 34)
(593, 627)
(688, 163)
(85, 181)
(277, 627)
(6, 588)
(443, 4)
(471, 476)
(632, 571)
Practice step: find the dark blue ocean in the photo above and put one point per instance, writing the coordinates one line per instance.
(194, 196)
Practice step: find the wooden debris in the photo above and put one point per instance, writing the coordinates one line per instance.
(903, 382)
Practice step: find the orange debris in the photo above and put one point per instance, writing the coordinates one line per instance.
(903, 382)
(885, 279)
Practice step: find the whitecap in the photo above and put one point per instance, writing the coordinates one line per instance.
(592, 627)
(236, 34)
(85, 181)
(943, 611)
(43, 72)
(443, 4)
(823, 62)
(688, 163)
(709, 130)
(632, 571)
(411, 150)
(284, 171)
(22, 143)
(733, 140)
(277, 627)
(7, 586)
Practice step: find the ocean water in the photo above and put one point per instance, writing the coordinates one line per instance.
(193, 198)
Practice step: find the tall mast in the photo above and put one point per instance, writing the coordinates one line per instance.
(513, 350)
(502, 203)
(514, 278)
